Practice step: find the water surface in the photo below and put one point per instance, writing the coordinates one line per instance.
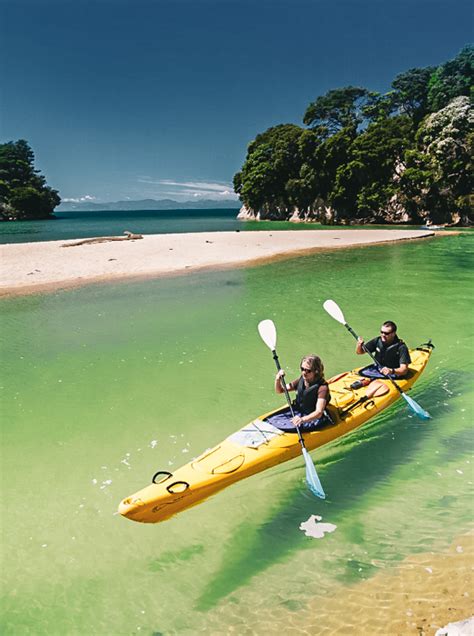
(104, 385)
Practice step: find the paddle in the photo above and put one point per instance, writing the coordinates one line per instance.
(335, 312)
(267, 331)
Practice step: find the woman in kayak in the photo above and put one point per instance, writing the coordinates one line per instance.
(312, 393)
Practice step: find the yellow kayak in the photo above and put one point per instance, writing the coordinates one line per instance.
(260, 445)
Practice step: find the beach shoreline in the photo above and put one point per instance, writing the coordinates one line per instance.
(40, 267)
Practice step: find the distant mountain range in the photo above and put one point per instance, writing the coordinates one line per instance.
(149, 204)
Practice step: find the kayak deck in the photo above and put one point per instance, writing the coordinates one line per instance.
(259, 445)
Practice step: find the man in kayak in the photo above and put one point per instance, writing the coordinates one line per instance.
(312, 394)
(390, 352)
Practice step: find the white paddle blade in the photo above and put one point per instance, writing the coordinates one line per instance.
(334, 311)
(268, 333)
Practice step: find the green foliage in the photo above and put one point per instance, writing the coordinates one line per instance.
(365, 184)
(400, 157)
(439, 176)
(273, 159)
(379, 107)
(411, 92)
(453, 79)
(339, 108)
(23, 191)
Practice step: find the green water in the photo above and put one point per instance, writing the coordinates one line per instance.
(104, 385)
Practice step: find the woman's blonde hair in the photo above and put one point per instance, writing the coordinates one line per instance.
(315, 364)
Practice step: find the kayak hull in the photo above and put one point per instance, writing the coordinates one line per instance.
(258, 446)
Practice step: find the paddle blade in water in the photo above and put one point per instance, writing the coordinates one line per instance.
(312, 478)
(416, 408)
(334, 311)
(267, 331)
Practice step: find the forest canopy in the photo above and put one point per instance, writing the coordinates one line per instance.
(23, 190)
(364, 157)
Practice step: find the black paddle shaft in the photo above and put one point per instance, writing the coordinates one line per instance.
(288, 399)
(350, 330)
(283, 383)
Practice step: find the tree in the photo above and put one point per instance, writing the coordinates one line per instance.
(338, 109)
(364, 184)
(273, 158)
(411, 92)
(33, 203)
(23, 190)
(442, 168)
(453, 79)
(379, 107)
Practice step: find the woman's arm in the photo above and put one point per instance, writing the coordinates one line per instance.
(278, 380)
(315, 415)
(321, 404)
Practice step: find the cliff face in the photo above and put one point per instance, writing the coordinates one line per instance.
(321, 213)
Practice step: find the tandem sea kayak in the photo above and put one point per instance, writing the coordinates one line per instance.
(260, 445)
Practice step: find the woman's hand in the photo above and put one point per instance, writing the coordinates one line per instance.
(297, 420)
(280, 375)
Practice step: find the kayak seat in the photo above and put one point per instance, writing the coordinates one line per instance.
(283, 422)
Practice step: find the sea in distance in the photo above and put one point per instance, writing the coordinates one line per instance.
(71, 225)
(104, 385)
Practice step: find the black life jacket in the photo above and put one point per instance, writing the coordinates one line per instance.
(390, 356)
(306, 398)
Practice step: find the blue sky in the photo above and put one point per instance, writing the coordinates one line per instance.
(131, 99)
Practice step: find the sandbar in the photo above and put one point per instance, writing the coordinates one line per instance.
(46, 266)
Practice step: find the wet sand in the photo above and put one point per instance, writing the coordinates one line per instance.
(46, 266)
(425, 592)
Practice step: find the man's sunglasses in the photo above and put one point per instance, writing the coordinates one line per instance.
(385, 333)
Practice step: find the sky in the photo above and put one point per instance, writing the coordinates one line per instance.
(134, 99)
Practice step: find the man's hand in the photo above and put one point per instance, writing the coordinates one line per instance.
(360, 346)
(385, 371)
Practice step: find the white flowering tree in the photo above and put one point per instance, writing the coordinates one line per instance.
(438, 181)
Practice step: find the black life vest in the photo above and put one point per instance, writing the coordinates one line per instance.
(306, 398)
(389, 356)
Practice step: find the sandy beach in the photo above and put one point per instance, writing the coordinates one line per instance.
(46, 266)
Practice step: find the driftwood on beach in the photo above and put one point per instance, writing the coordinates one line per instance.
(103, 239)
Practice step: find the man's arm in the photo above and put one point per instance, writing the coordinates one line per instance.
(370, 346)
(404, 361)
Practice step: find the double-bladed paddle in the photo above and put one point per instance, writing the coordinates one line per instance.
(267, 331)
(335, 312)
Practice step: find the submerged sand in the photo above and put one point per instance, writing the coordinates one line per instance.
(416, 597)
(42, 266)
(424, 593)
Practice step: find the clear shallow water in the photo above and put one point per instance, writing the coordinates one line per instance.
(104, 385)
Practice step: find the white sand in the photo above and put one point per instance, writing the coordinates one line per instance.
(41, 266)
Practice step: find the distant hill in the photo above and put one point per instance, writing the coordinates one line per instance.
(149, 204)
